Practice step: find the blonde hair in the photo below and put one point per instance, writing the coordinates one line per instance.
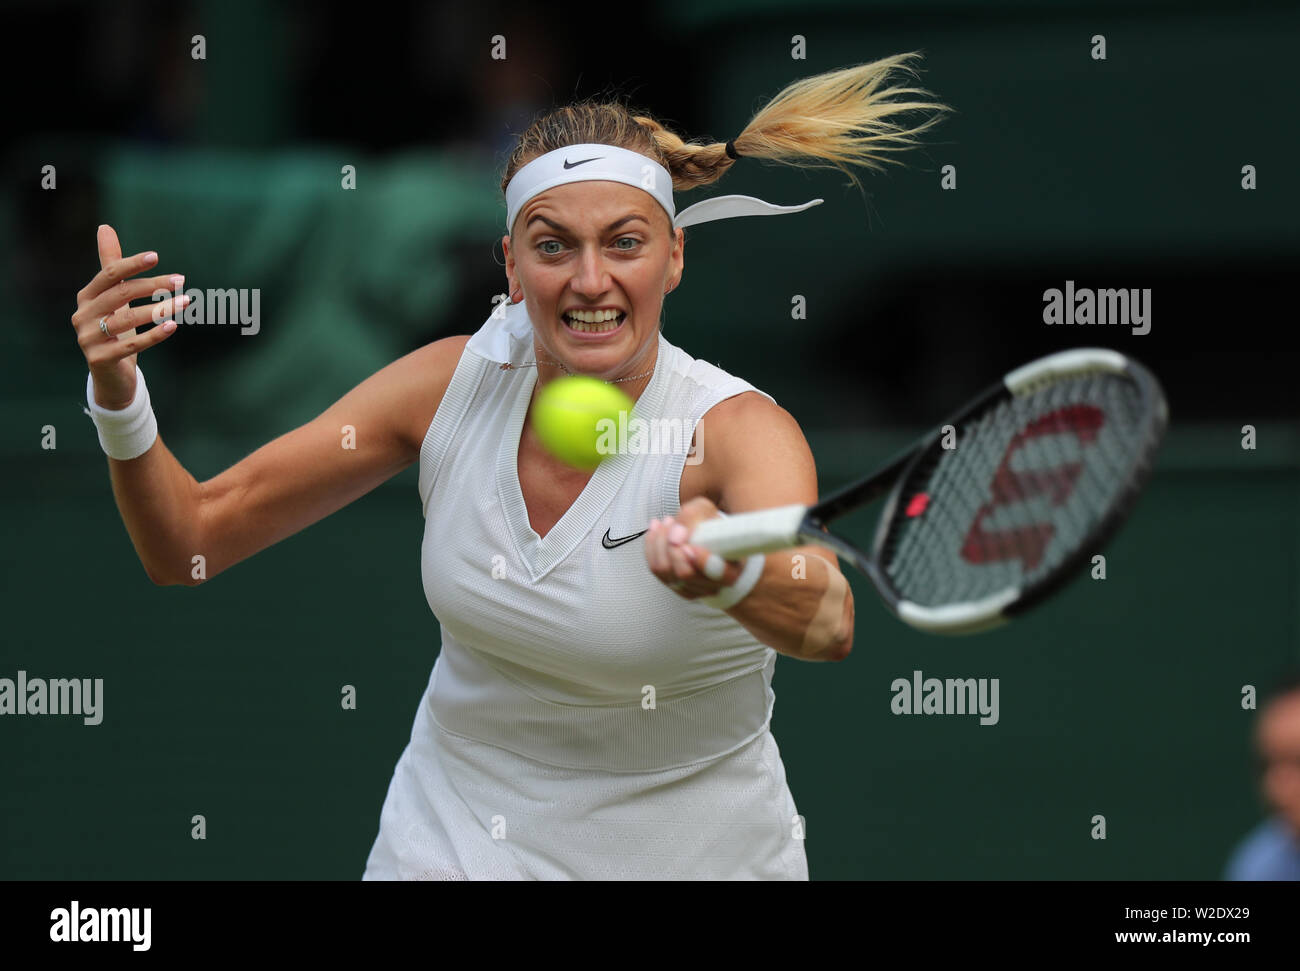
(835, 120)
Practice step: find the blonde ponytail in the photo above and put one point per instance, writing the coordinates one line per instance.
(846, 118)
(841, 119)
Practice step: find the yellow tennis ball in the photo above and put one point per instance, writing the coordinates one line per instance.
(576, 416)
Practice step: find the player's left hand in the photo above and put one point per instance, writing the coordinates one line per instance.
(680, 565)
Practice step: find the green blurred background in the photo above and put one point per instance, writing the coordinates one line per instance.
(1119, 698)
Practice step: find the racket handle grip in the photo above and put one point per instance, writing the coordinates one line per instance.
(751, 532)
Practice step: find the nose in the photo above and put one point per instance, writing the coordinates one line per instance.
(590, 278)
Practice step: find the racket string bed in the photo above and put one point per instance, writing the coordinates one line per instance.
(1028, 480)
(922, 568)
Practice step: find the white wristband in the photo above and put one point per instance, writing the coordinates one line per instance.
(728, 597)
(125, 433)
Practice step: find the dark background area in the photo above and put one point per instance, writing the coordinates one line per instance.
(1120, 698)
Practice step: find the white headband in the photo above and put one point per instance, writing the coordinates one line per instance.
(607, 163)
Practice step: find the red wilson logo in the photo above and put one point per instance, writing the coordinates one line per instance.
(1027, 543)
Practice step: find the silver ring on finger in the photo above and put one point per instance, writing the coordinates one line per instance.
(103, 326)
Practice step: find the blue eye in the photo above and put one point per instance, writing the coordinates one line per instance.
(550, 242)
(629, 239)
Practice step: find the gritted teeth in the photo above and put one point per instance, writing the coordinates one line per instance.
(593, 316)
(593, 321)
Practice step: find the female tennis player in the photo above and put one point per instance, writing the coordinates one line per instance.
(596, 711)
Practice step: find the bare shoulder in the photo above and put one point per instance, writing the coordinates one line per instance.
(423, 376)
(754, 454)
(747, 409)
(751, 424)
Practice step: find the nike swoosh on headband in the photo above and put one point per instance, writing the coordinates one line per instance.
(610, 544)
(574, 165)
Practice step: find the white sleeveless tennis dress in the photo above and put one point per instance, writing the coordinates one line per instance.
(582, 721)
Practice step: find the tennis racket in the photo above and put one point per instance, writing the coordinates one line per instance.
(999, 506)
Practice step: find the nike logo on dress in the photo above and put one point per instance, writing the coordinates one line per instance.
(574, 165)
(609, 544)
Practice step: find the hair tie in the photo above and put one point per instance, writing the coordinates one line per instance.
(731, 150)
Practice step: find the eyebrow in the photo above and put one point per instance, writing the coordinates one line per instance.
(564, 229)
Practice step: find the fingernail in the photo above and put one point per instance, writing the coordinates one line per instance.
(176, 281)
(151, 257)
(182, 300)
(654, 524)
(677, 534)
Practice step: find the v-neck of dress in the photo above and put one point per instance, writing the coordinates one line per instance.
(540, 553)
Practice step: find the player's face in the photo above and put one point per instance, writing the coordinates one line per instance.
(1279, 746)
(595, 247)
